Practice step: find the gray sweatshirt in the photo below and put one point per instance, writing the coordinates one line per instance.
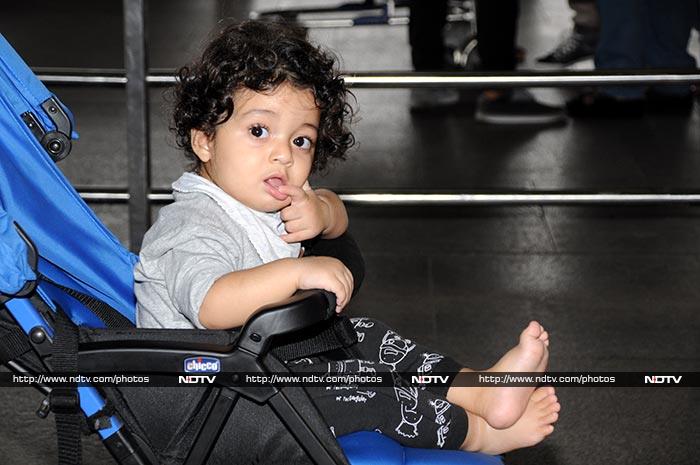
(202, 236)
(192, 244)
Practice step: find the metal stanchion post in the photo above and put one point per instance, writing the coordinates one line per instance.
(137, 120)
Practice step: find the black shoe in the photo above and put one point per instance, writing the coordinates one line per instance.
(572, 49)
(517, 107)
(666, 104)
(593, 105)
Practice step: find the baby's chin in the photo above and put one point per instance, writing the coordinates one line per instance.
(262, 202)
(268, 206)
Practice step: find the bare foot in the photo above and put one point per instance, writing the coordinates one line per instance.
(532, 427)
(502, 406)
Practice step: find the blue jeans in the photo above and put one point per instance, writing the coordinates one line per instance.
(645, 34)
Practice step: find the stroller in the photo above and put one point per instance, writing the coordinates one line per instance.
(67, 307)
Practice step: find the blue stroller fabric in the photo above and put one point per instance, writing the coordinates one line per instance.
(369, 448)
(77, 251)
(15, 270)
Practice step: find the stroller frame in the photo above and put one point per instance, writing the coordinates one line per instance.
(163, 353)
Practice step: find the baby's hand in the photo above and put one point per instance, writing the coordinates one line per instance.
(306, 217)
(328, 274)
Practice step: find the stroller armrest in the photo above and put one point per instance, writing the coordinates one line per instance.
(303, 309)
(164, 350)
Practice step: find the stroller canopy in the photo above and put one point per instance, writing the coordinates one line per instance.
(76, 250)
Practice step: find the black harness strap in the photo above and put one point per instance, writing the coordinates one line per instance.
(64, 400)
(109, 316)
(339, 333)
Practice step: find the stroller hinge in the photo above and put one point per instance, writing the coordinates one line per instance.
(33, 124)
(56, 143)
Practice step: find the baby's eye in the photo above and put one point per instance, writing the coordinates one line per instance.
(302, 142)
(259, 131)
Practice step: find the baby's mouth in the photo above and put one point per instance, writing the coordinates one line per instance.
(273, 185)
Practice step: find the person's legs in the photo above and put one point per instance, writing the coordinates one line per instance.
(581, 42)
(426, 22)
(622, 42)
(496, 30)
(388, 349)
(497, 24)
(412, 416)
(500, 406)
(621, 45)
(423, 416)
(670, 23)
(427, 19)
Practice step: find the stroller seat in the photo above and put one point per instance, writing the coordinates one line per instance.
(370, 448)
(67, 306)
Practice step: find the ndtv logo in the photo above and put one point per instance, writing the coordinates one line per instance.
(429, 379)
(196, 379)
(202, 365)
(662, 379)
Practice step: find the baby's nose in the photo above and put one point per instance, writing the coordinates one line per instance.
(282, 153)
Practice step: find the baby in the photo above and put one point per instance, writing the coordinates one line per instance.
(257, 114)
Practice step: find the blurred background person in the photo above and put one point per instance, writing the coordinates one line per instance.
(641, 34)
(582, 40)
(496, 24)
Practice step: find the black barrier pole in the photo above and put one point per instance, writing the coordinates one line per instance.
(137, 120)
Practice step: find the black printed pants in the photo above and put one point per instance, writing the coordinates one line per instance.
(413, 416)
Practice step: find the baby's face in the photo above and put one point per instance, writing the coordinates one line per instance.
(268, 141)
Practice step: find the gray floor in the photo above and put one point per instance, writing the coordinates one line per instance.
(616, 286)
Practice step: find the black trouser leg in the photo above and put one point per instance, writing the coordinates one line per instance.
(496, 24)
(427, 20)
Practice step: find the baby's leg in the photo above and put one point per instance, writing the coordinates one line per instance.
(502, 406)
(532, 427)
(412, 416)
(388, 349)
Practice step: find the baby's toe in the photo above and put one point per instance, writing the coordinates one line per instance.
(542, 393)
(533, 330)
(547, 400)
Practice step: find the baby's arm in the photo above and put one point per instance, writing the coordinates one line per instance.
(338, 215)
(313, 212)
(236, 295)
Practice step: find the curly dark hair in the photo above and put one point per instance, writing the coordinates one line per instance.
(260, 56)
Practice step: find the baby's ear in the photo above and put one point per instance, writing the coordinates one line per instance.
(202, 145)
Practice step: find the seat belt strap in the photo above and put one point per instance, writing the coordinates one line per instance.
(64, 400)
(108, 315)
(336, 334)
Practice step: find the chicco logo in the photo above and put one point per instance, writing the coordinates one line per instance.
(202, 365)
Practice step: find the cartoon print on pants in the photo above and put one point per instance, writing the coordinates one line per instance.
(394, 349)
(429, 360)
(364, 323)
(408, 398)
(441, 406)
